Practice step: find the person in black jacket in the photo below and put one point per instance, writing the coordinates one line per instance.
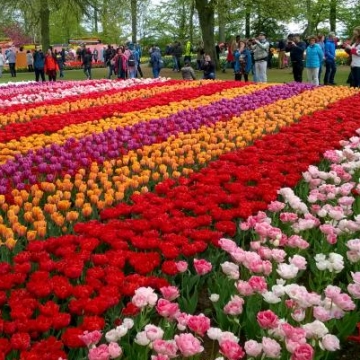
(208, 68)
(296, 47)
(87, 63)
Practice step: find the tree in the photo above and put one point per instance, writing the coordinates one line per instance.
(40, 10)
(206, 12)
(133, 4)
(16, 34)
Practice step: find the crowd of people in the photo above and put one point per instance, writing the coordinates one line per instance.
(313, 54)
(316, 54)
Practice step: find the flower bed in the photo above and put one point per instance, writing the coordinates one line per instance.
(157, 195)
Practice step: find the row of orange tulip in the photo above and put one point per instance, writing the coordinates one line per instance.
(47, 206)
(34, 142)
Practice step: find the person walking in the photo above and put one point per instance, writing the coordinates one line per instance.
(330, 64)
(87, 63)
(60, 58)
(138, 53)
(187, 53)
(119, 63)
(51, 66)
(2, 62)
(296, 47)
(39, 64)
(261, 46)
(313, 60)
(321, 43)
(11, 58)
(156, 61)
(177, 56)
(281, 53)
(108, 59)
(96, 55)
(29, 61)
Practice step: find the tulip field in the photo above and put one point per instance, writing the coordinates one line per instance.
(162, 219)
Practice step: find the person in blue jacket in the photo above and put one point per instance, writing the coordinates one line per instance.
(330, 64)
(39, 64)
(243, 62)
(313, 60)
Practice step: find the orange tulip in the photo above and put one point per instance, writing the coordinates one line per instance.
(31, 235)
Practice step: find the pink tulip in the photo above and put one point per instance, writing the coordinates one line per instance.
(267, 319)
(234, 306)
(165, 347)
(167, 309)
(91, 338)
(170, 292)
(202, 266)
(188, 344)
(303, 352)
(199, 324)
(99, 353)
(231, 350)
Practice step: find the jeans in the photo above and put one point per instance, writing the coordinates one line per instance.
(238, 76)
(355, 73)
(330, 72)
(139, 71)
(132, 72)
(156, 72)
(298, 68)
(87, 71)
(260, 70)
(51, 75)
(61, 68)
(210, 76)
(110, 71)
(320, 72)
(38, 73)
(313, 75)
(12, 69)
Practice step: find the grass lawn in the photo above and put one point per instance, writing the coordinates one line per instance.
(274, 75)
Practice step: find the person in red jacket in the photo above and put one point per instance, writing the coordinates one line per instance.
(230, 59)
(51, 66)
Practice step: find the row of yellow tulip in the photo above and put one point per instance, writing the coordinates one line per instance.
(58, 205)
(26, 114)
(34, 142)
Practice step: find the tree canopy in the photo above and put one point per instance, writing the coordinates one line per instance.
(208, 21)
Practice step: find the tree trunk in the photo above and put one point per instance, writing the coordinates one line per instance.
(96, 28)
(247, 20)
(206, 12)
(332, 15)
(182, 22)
(221, 10)
(45, 24)
(134, 20)
(105, 20)
(191, 21)
(310, 24)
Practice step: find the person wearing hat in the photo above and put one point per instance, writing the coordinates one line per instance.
(260, 48)
(330, 64)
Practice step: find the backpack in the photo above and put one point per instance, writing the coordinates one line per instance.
(131, 60)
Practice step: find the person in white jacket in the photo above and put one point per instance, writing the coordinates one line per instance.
(2, 61)
(354, 51)
(260, 47)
